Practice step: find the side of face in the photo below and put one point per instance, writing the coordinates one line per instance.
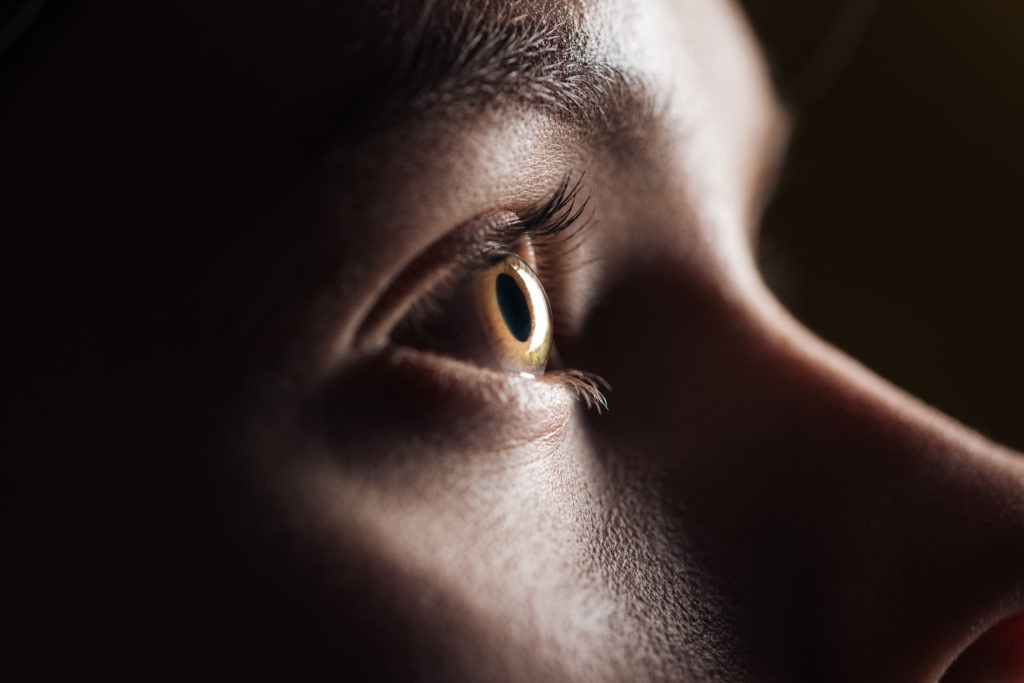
(328, 488)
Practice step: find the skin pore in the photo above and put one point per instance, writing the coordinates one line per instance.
(253, 206)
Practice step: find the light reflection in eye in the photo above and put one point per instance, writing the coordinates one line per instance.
(515, 314)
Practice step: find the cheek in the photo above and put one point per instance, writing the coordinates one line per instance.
(528, 561)
(441, 494)
(497, 544)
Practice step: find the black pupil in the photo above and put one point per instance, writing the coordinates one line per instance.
(514, 308)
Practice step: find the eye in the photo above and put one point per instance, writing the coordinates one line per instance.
(494, 313)
(514, 314)
(475, 296)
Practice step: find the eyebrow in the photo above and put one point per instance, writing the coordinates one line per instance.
(459, 63)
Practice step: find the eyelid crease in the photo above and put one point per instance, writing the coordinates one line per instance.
(427, 271)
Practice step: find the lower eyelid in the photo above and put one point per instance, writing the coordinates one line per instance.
(439, 399)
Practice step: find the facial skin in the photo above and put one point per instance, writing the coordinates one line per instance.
(234, 468)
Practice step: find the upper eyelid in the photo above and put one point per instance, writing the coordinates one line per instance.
(495, 231)
(427, 269)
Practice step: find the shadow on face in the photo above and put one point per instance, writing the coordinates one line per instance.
(246, 444)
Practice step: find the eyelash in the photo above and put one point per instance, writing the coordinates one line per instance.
(551, 230)
(558, 217)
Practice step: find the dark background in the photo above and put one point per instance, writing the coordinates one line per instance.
(897, 231)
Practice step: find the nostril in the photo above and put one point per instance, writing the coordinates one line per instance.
(996, 657)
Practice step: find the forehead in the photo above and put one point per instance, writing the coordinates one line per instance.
(333, 49)
(229, 94)
(282, 65)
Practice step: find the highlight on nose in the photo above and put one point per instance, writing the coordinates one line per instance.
(997, 656)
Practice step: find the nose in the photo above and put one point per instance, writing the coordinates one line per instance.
(859, 534)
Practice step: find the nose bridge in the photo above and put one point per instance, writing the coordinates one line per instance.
(836, 505)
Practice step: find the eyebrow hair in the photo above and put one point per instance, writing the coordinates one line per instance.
(458, 62)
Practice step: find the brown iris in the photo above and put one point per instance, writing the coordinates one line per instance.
(515, 314)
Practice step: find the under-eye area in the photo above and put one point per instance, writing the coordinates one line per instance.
(422, 399)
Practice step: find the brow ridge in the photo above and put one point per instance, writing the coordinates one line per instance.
(459, 63)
